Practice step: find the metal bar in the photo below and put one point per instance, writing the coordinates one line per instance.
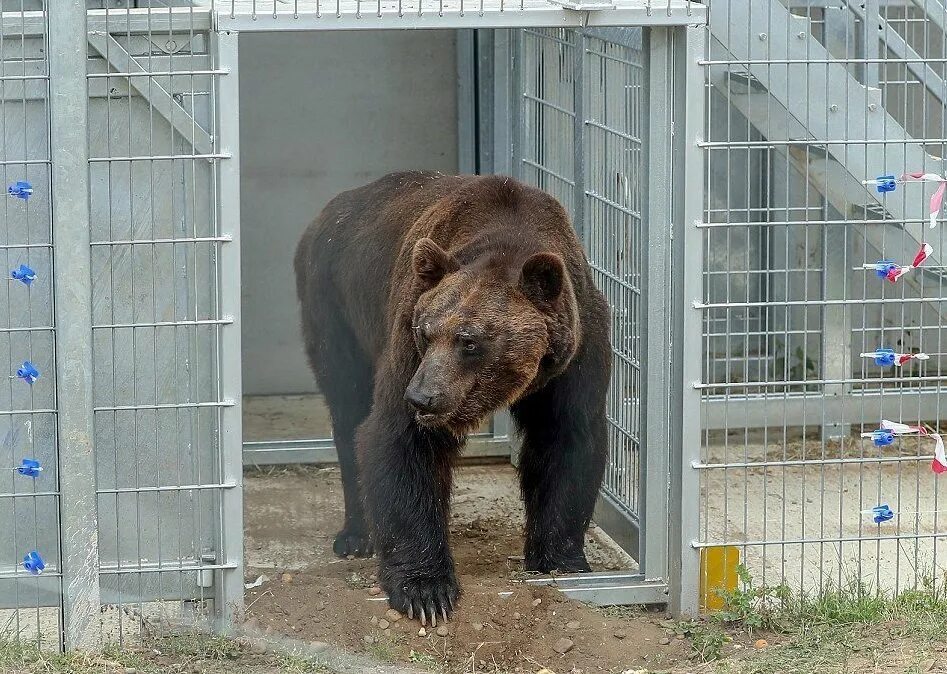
(68, 127)
(875, 25)
(688, 49)
(656, 299)
(631, 13)
(859, 408)
(619, 590)
(157, 97)
(579, 159)
(322, 451)
(134, 21)
(486, 105)
(466, 102)
(229, 587)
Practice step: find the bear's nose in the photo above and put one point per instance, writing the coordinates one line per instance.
(421, 401)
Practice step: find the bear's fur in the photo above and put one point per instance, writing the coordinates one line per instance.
(429, 302)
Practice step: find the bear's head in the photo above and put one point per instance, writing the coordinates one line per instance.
(487, 333)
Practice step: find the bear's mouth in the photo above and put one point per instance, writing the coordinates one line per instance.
(432, 419)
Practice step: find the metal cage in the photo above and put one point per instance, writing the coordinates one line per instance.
(131, 226)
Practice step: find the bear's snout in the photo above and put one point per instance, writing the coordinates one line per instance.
(423, 401)
(424, 394)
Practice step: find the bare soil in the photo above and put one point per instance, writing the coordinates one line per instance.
(502, 624)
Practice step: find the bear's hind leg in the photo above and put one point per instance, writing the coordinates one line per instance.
(345, 377)
(562, 461)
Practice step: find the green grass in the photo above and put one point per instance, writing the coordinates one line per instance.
(842, 629)
(183, 652)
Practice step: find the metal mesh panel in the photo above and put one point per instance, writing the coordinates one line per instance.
(805, 103)
(29, 508)
(613, 130)
(548, 112)
(604, 167)
(156, 298)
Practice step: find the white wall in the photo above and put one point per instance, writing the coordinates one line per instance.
(321, 113)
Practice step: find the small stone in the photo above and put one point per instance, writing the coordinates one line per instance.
(392, 615)
(668, 623)
(563, 646)
(537, 601)
(926, 665)
(760, 644)
(286, 578)
(477, 626)
(350, 557)
(541, 671)
(318, 646)
(258, 646)
(383, 624)
(131, 670)
(573, 624)
(374, 591)
(368, 640)
(442, 631)
(373, 577)
(516, 616)
(665, 641)
(374, 620)
(619, 634)
(422, 632)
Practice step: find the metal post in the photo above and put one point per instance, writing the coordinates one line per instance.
(836, 328)
(466, 102)
(229, 598)
(68, 133)
(687, 50)
(652, 553)
(578, 74)
(503, 102)
(484, 53)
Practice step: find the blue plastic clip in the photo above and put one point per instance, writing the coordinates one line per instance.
(882, 438)
(883, 267)
(23, 274)
(884, 357)
(21, 189)
(28, 372)
(886, 183)
(33, 563)
(882, 513)
(30, 468)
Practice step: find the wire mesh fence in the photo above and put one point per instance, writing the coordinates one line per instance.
(29, 503)
(806, 102)
(156, 298)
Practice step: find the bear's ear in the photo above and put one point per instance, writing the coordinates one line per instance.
(542, 278)
(431, 262)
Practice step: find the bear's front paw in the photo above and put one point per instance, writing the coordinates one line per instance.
(353, 541)
(424, 597)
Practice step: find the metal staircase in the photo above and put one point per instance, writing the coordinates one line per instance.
(808, 103)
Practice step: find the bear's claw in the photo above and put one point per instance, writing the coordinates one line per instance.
(425, 598)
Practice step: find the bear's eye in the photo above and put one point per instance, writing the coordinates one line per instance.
(469, 346)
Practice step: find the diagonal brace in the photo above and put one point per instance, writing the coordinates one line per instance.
(157, 96)
(896, 43)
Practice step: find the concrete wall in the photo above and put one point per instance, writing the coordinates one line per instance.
(319, 114)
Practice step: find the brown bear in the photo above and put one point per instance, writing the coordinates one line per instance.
(428, 302)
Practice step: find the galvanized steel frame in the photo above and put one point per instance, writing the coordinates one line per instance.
(661, 530)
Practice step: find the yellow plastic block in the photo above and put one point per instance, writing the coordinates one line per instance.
(718, 573)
